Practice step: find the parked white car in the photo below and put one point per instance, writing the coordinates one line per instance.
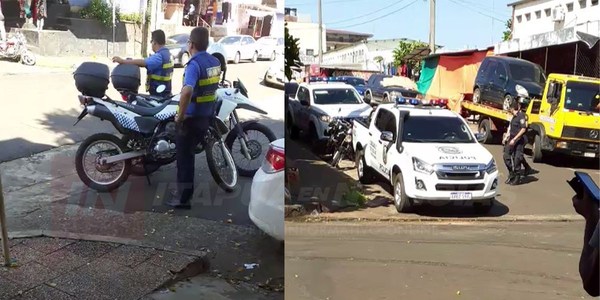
(178, 47)
(238, 47)
(269, 47)
(266, 208)
(275, 75)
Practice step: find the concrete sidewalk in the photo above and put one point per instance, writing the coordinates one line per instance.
(50, 268)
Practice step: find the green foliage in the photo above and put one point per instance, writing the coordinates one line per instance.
(507, 34)
(99, 10)
(292, 54)
(134, 17)
(378, 59)
(405, 48)
(355, 198)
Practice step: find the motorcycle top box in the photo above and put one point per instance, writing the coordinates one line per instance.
(126, 78)
(92, 78)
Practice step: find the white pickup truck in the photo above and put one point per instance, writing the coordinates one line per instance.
(316, 104)
(427, 154)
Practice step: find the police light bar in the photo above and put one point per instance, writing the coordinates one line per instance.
(413, 101)
(323, 79)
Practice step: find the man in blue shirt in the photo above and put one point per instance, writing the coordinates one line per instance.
(159, 65)
(196, 108)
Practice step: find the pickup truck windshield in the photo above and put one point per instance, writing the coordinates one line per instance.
(336, 96)
(426, 129)
(582, 96)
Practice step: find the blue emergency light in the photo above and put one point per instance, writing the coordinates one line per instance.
(414, 102)
(411, 101)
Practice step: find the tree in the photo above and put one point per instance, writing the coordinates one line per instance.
(292, 54)
(405, 48)
(507, 34)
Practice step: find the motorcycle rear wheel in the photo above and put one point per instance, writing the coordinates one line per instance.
(124, 168)
(221, 164)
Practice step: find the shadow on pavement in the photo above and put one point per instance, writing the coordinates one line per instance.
(17, 148)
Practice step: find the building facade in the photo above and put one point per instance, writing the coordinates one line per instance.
(370, 55)
(308, 39)
(532, 17)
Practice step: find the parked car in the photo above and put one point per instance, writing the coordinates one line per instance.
(376, 91)
(178, 46)
(502, 79)
(269, 47)
(317, 104)
(275, 75)
(266, 208)
(239, 47)
(357, 82)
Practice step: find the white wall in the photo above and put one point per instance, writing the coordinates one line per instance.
(535, 17)
(308, 35)
(356, 54)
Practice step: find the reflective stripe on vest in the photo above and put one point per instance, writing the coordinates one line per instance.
(165, 74)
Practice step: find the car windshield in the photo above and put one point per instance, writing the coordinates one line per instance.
(355, 81)
(178, 39)
(336, 96)
(428, 129)
(527, 72)
(230, 40)
(582, 96)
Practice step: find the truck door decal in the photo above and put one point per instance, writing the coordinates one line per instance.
(372, 149)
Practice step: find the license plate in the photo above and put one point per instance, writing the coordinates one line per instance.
(460, 196)
(589, 154)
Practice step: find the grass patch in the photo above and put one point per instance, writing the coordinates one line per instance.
(354, 197)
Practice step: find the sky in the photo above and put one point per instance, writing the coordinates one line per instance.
(460, 24)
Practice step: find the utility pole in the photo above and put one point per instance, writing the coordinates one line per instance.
(432, 26)
(320, 33)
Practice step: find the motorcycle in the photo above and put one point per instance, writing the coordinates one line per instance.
(152, 141)
(340, 139)
(251, 150)
(15, 48)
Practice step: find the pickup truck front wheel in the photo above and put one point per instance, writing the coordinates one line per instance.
(402, 202)
(365, 173)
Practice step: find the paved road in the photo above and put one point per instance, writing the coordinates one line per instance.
(412, 261)
(546, 193)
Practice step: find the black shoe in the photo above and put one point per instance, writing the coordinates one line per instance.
(515, 181)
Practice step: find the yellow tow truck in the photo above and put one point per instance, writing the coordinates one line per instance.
(566, 120)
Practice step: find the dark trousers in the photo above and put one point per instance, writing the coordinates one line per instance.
(191, 133)
(513, 157)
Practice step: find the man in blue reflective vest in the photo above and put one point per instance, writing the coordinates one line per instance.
(159, 65)
(196, 108)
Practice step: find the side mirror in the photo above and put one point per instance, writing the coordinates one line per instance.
(303, 102)
(161, 88)
(387, 136)
(502, 77)
(480, 137)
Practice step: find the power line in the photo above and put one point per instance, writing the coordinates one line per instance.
(380, 17)
(481, 6)
(367, 14)
(483, 14)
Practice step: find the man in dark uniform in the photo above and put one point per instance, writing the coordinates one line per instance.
(196, 108)
(513, 149)
(527, 169)
(159, 65)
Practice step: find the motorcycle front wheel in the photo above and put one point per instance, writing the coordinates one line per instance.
(259, 138)
(94, 174)
(28, 58)
(221, 164)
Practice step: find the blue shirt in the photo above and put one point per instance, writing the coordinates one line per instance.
(199, 64)
(154, 62)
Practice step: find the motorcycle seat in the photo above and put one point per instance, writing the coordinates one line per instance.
(143, 111)
(151, 97)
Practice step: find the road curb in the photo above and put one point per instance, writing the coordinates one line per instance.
(105, 239)
(400, 219)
